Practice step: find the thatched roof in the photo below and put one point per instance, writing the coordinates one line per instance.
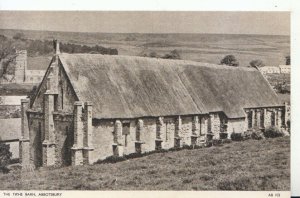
(10, 129)
(129, 87)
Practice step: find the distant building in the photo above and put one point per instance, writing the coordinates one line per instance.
(281, 69)
(269, 70)
(10, 133)
(10, 106)
(22, 74)
(91, 106)
(11, 100)
(285, 69)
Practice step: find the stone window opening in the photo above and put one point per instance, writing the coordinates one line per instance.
(138, 135)
(167, 131)
(283, 118)
(62, 97)
(55, 103)
(115, 150)
(40, 129)
(158, 145)
(177, 143)
(125, 131)
(262, 118)
(209, 125)
(273, 118)
(200, 123)
(138, 147)
(276, 119)
(249, 117)
(255, 119)
(67, 130)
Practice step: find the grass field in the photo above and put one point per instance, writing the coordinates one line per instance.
(248, 165)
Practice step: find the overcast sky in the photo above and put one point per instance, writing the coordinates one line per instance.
(269, 23)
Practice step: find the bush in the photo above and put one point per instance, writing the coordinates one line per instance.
(112, 159)
(247, 134)
(273, 132)
(257, 135)
(226, 141)
(229, 60)
(217, 142)
(5, 157)
(237, 136)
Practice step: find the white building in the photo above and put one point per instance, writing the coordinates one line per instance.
(270, 70)
(285, 69)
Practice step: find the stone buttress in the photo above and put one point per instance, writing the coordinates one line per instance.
(24, 142)
(83, 133)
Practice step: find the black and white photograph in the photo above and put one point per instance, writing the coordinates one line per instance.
(145, 100)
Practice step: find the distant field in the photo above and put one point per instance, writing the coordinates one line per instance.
(209, 48)
(248, 165)
(15, 89)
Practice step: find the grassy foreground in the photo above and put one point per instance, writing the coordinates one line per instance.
(248, 165)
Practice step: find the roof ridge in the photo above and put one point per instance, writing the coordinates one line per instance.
(183, 61)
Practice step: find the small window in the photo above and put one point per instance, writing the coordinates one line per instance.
(255, 119)
(167, 132)
(249, 116)
(138, 148)
(262, 119)
(158, 145)
(209, 125)
(40, 128)
(115, 150)
(273, 119)
(177, 143)
(126, 128)
(62, 97)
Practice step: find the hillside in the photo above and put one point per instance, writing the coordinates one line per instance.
(209, 48)
(248, 165)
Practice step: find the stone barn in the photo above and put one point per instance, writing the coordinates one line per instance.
(91, 106)
(10, 132)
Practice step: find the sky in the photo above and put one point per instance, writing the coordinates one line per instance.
(267, 23)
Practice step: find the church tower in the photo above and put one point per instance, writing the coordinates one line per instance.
(21, 66)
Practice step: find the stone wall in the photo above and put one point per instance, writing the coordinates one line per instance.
(236, 126)
(65, 94)
(168, 134)
(186, 130)
(261, 118)
(145, 134)
(63, 142)
(62, 139)
(36, 139)
(103, 135)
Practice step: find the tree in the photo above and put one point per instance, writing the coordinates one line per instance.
(174, 54)
(5, 157)
(19, 36)
(7, 56)
(32, 92)
(256, 63)
(230, 60)
(153, 55)
(288, 60)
